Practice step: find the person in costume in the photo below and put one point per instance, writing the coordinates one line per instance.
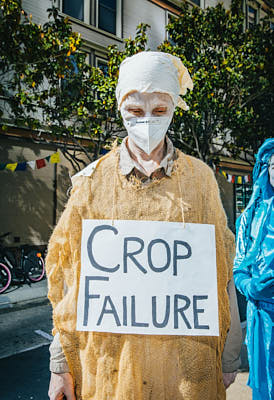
(254, 273)
(145, 178)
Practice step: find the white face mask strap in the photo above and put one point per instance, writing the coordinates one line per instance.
(181, 200)
(114, 192)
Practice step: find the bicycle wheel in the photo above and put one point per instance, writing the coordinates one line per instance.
(34, 266)
(5, 278)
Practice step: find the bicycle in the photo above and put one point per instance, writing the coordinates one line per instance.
(28, 268)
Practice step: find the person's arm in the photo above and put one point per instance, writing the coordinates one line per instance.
(232, 348)
(225, 250)
(58, 362)
(61, 382)
(58, 256)
(252, 287)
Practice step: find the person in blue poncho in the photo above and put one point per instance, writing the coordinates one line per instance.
(254, 273)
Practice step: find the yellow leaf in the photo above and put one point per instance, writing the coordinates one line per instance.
(33, 84)
(68, 53)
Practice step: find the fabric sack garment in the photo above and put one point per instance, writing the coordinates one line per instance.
(109, 366)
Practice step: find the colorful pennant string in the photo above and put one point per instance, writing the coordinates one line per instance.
(36, 164)
(239, 179)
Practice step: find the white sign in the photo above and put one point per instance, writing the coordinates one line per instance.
(148, 277)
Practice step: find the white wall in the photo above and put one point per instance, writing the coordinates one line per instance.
(137, 11)
(38, 9)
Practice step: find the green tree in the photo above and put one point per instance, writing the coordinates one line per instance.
(232, 71)
(47, 85)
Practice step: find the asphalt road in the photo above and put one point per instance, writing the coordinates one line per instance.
(17, 329)
(25, 376)
(24, 357)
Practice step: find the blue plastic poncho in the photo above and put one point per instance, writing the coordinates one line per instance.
(254, 262)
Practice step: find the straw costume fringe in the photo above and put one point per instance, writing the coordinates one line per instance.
(109, 366)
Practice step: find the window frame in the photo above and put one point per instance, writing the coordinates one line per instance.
(91, 16)
(256, 9)
(100, 60)
(62, 8)
(167, 14)
(118, 28)
(173, 6)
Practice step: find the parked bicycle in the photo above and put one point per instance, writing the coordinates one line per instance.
(28, 268)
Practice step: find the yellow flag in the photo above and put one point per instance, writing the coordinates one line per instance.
(55, 158)
(240, 179)
(11, 167)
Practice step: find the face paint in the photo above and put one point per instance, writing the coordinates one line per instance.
(271, 171)
(147, 132)
(146, 117)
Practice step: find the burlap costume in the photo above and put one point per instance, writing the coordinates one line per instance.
(109, 366)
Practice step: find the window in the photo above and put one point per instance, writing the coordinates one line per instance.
(197, 2)
(169, 17)
(103, 14)
(102, 64)
(243, 193)
(74, 8)
(252, 15)
(107, 15)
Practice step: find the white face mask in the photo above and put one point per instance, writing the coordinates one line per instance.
(147, 132)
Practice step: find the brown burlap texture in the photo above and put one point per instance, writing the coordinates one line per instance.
(109, 366)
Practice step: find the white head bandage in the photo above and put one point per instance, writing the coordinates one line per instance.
(151, 71)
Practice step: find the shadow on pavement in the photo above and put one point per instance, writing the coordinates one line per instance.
(25, 376)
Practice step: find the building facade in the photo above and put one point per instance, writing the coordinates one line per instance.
(33, 200)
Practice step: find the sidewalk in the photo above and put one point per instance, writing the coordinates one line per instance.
(239, 390)
(24, 296)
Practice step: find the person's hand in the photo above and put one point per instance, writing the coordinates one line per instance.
(262, 287)
(229, 378)
(61, 385)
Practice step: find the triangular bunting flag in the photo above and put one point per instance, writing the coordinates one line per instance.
(11, 167)
(31, 164)
(40, 163)
(22, 166)
(229, 178)
(55, 158)
(224, 174)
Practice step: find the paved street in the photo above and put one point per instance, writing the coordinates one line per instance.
(17, 329)
(24, 357)
(25, 376)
